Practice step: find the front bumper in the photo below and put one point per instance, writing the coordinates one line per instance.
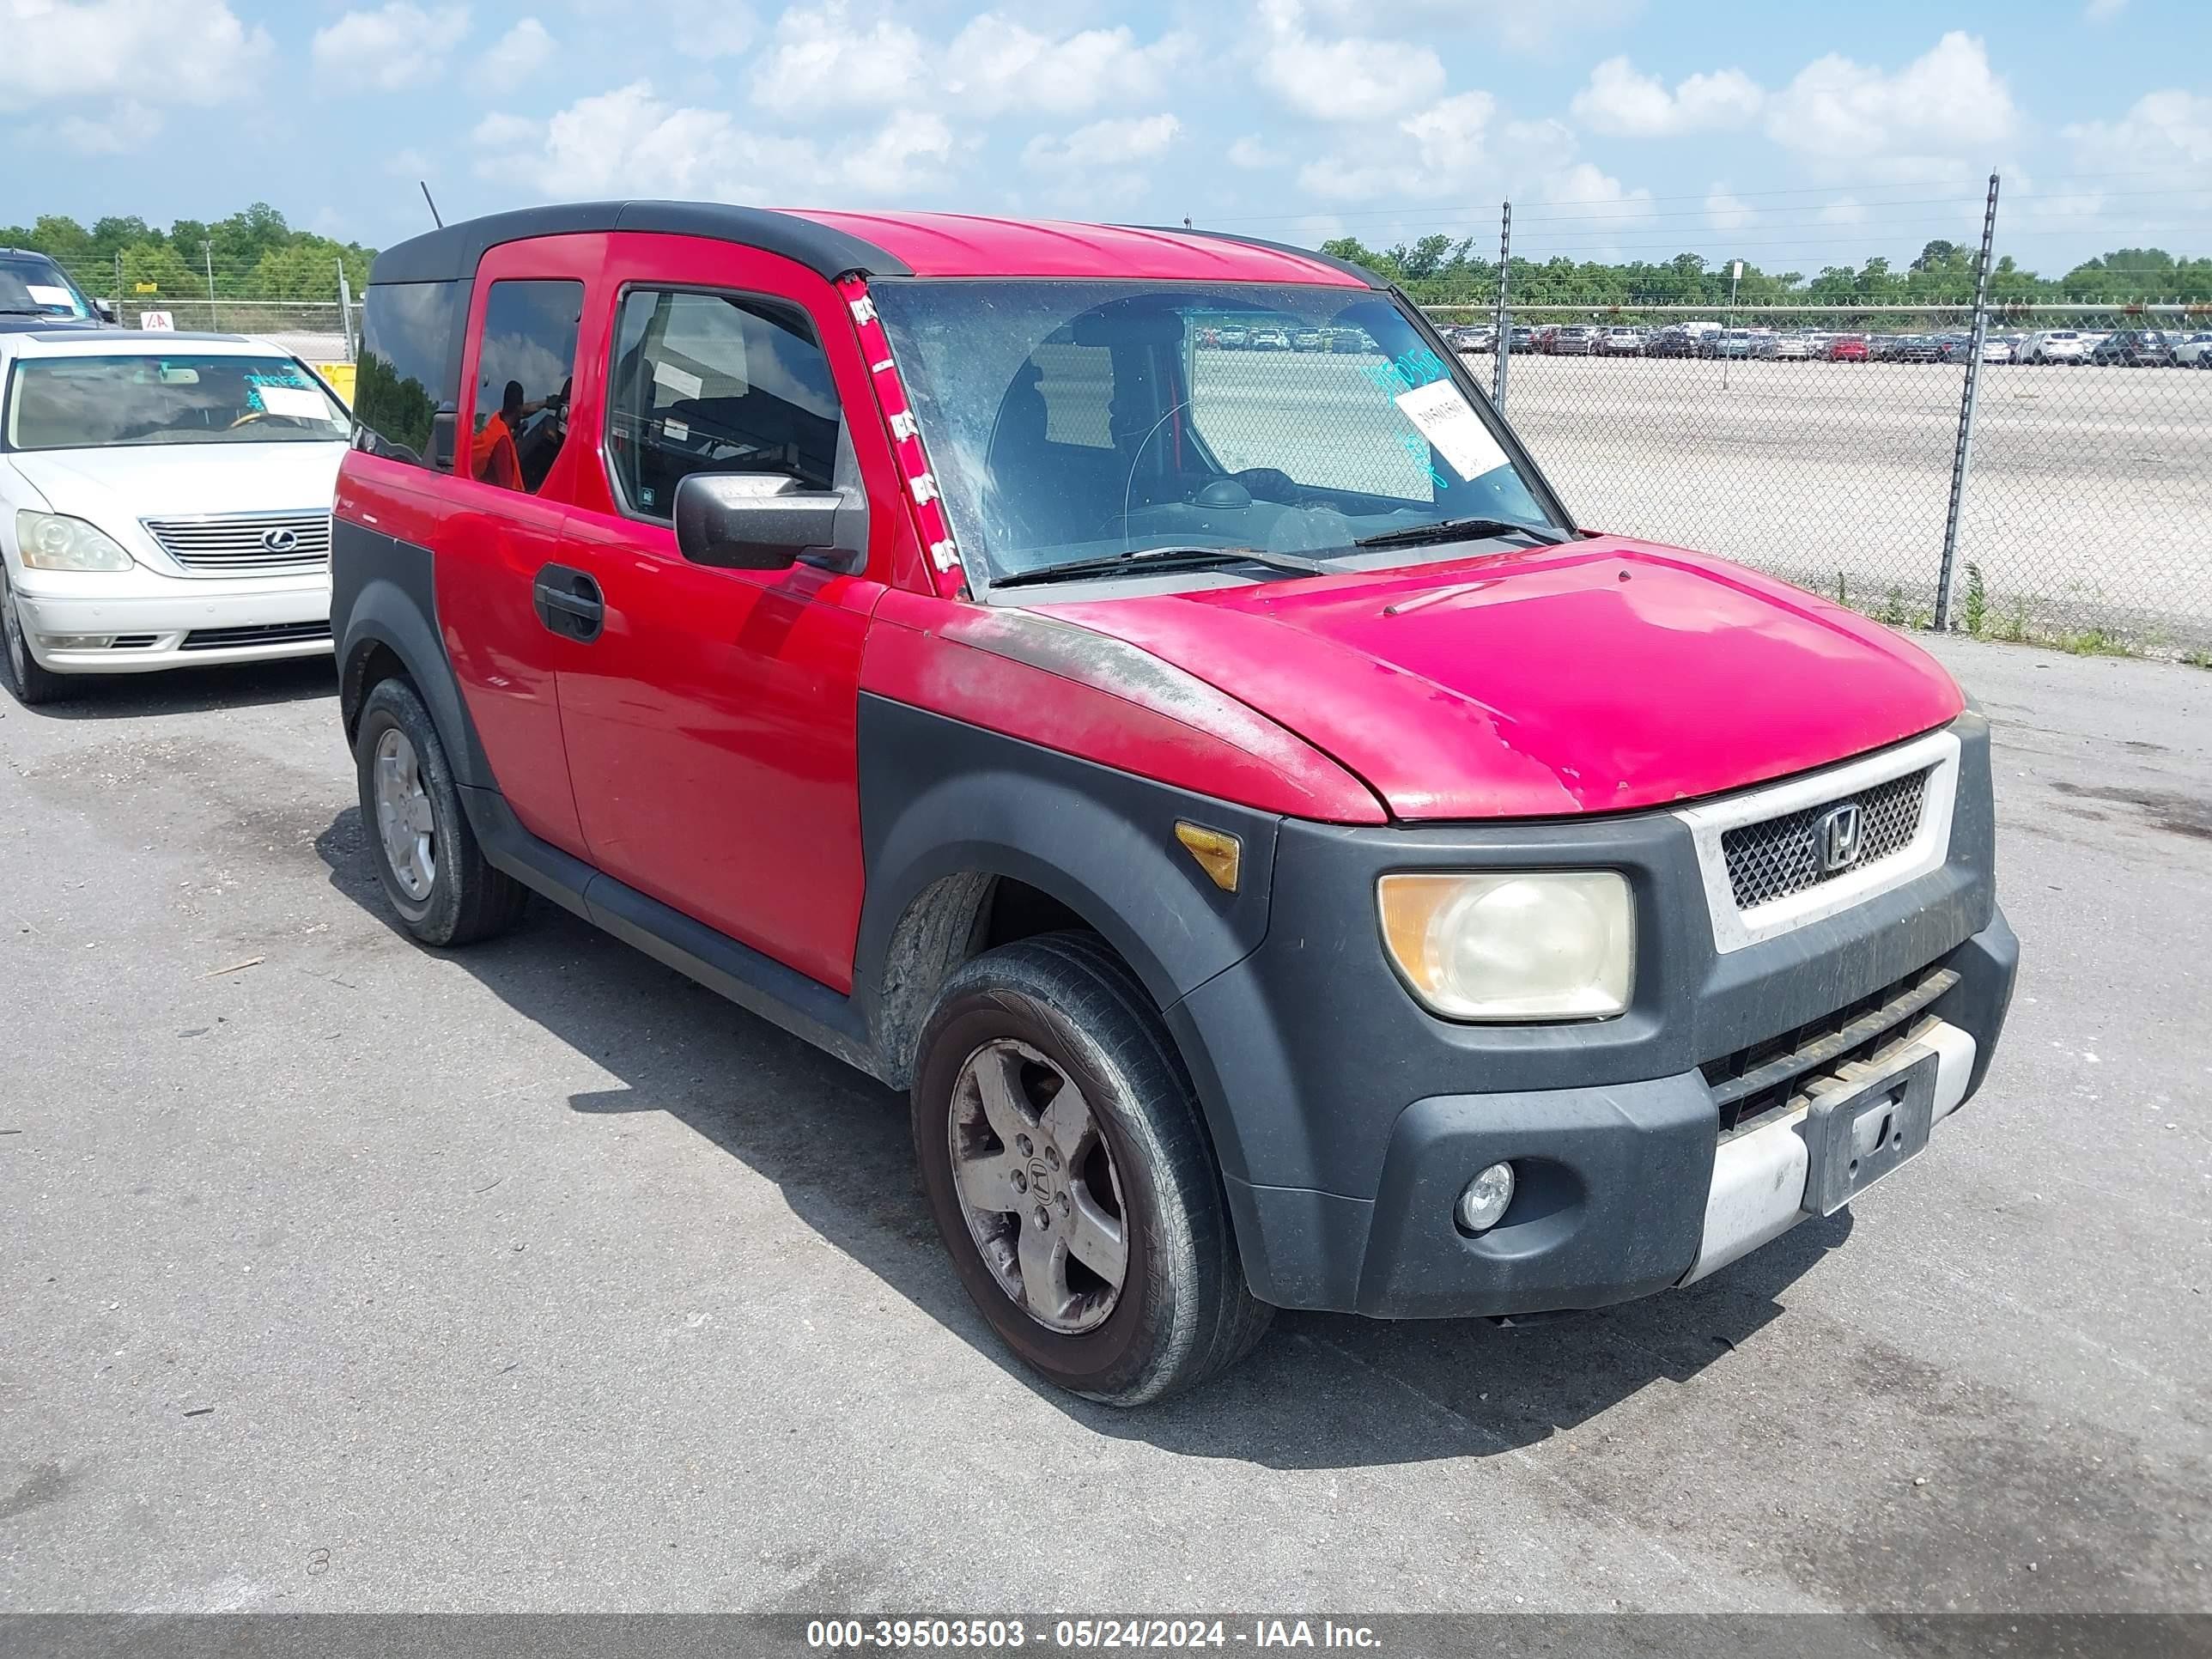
(1346, 1124)
(154, 621)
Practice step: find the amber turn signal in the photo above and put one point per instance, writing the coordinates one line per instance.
(1218, 852)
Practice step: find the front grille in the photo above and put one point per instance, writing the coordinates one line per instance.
(132, 642)
(239, 545)
(1755, 1083)
(223, 639)
(1777, 857)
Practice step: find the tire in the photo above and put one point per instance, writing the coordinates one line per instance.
(442, 888)
(31, 683)
(1040, 1017)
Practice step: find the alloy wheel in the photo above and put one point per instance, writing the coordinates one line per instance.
(404, 821)
(1038, 1185)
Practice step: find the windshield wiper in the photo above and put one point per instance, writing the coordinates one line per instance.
(1162, 558)
(1455, 529)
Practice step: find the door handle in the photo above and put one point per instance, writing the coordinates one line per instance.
(567, 602)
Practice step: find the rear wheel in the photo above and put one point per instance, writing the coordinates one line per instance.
(434, 874)
(1071, 1177)
(30, 683)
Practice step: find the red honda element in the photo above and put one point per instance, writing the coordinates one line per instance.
(1290, 865)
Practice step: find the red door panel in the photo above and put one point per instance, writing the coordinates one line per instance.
(711, 725)
(491, 545)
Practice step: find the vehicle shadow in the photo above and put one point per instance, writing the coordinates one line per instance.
(187, 691)
(1323, 1391)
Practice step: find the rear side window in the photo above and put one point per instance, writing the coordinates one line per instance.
(716, 383)
(525, 366)
(407, 387)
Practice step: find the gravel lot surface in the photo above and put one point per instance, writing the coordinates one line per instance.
(339, 1275)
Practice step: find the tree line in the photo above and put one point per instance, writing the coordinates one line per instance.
(1439, 271)
(255, 254)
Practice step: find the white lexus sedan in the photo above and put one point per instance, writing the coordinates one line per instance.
(165, 501)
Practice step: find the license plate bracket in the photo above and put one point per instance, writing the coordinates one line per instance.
(1855, 1136)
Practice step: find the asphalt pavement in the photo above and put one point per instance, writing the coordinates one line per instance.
(336, 1274)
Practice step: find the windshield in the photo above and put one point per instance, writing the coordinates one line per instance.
(32, 286)
(179, 397)
(1073, 421)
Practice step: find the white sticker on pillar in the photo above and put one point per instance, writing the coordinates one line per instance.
(1447, 420)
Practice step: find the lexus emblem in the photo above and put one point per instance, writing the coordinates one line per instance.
(281, 540)
(1838, 837)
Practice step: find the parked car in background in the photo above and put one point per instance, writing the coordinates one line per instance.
(1996, 348)
(165, 501)
(1572, 340)
(1350, 339)
(1309, 339)
(1671, 342)
(35, 292)
(2194, 352)
(1914, 348)
(2136, 348)
(1270, 339)
(1620, 342)
(1848, 349)
(1793, 348)
(2059, 345)
(1235, 337)
(1737, 342)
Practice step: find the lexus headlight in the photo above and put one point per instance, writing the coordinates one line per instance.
(1539, 945)
(53, 541)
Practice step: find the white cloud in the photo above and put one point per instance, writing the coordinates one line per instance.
(1619, 101)
(2161, 130)
(1844, 211)
(517, 54)
(2102, 11)
(148, 51)
(129, 126)
(997, 64)
(1724, 211)
(1514, 24)
(1448, 136)
(821, 59)
(395, 46)
(1940, 113)
(1251, 153)
(1110, 144)
(630, 140)
(1348, 78)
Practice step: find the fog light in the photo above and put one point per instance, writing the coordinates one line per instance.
(1483, 1203)
(77, 641)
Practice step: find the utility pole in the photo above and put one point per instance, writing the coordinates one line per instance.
(1962, 458)
(1736, 276)
(1501, 325)
(207, 252)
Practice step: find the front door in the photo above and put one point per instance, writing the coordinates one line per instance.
(710, 716)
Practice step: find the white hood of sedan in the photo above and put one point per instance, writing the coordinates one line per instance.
(114, 488)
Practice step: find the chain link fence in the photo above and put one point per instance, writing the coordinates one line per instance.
(1820, 443)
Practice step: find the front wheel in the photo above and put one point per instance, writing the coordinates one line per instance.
(31, 683)
(1071, 1177)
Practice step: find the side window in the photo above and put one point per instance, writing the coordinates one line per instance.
(716, 383)
(405, 388)
(526, 364)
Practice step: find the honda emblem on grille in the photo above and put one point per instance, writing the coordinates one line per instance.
(1839, 835)
(281, 540)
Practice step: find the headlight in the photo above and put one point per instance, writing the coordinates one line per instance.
(53, 541)
(1543, 945)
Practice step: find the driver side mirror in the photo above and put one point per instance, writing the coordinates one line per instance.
(106, 308)
(765, 521)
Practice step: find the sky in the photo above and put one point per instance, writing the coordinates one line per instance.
(1795, 135)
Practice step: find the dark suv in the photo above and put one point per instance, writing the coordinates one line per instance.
(35, 292)
(1229, 794)
(2136, 348)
